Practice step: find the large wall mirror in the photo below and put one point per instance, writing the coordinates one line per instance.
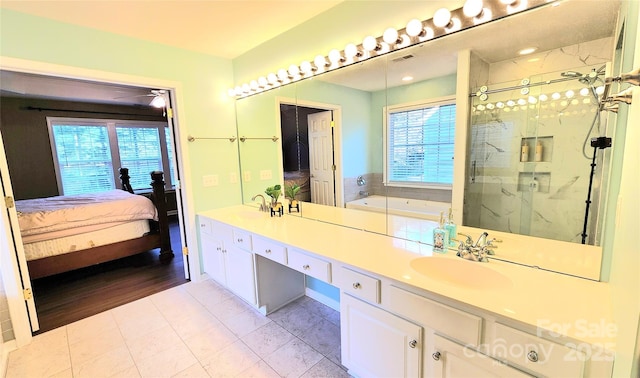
(527, 159)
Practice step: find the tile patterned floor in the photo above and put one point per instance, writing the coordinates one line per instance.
(193, 330)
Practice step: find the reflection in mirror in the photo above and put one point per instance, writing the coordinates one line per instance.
(359, 94)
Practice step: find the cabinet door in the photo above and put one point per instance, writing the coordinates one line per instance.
(376, 343)
(240, 273)
(452, 360)
(213, 258)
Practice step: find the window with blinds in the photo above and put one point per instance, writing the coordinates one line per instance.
(89, 152)
(420, 142)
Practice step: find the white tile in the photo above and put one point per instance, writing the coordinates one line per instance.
(231, 361)
(137, 325)
(153, 343)
(196, 323)
(135, 309)
(295, 319)
(324, 369)
(131, 372)
(209, 342)
(293, 359)
(46, 355)
(91, 347)
(88, 327)
(105, 365)
(259, 370)
(176, 303)
(323, 336)
(166, 363)
(194, 371)
(246, 322)
(229, 308)
(267, 339)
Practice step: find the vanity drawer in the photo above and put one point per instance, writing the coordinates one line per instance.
(536, 354)
(205, 225)
(309, 265)
(445, 320)
(242, 239)
(270, 250)
(360, 285)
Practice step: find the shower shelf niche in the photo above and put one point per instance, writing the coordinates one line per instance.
(547, 152)
(534, 182)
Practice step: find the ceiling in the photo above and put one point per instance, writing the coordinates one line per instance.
(588, 23)
(191, 25)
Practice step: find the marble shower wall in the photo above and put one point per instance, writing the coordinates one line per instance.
(543, 198)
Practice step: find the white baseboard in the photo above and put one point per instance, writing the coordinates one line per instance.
(7, 348)
(322, 299)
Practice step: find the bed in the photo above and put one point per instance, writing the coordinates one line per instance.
(64, 233)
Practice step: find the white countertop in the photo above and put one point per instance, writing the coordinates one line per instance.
(563, 304)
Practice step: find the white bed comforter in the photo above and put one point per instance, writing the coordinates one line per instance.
(43, 215)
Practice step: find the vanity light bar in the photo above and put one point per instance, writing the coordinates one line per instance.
(444, 21)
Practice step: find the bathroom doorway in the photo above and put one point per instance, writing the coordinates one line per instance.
(310, 157)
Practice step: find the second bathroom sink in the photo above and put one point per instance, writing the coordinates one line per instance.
(460, 272)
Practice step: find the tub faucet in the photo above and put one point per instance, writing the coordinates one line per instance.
(263, 205)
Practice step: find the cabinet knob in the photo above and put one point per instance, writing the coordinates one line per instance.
(306, 267)
(239, 240)
(357, 285)
(413, 343)
(267, 251)
(532, 356)
(203, 225)
(436, 356)
(219, 249)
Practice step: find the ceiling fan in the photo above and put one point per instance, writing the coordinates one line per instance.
(159, 99)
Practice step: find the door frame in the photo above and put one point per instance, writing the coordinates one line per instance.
(21, 325)
(337, 139)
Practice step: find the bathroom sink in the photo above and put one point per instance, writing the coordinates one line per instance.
(253, 214)
(461, 272)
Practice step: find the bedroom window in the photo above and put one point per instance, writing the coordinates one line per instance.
(88, 153)
(419, 145)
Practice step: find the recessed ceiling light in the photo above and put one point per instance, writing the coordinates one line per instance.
(407, 78)
(527, 50)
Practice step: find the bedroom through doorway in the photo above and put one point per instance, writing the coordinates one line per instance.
(70, 296)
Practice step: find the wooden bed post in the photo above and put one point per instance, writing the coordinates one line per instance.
(157, 183)
(125, 180)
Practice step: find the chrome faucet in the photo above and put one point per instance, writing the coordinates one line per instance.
(263, 205)
(479, 250)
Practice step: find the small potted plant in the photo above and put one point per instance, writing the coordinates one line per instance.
(274, 192)
(290, 192)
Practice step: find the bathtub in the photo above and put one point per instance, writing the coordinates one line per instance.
(401, 206)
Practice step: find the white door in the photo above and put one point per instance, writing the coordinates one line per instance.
(321, 162)
(14, 240)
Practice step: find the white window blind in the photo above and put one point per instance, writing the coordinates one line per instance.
(88, 153)
(420, 145)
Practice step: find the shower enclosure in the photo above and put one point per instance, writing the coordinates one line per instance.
(529, 157)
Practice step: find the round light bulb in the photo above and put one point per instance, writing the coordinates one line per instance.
(442, 17)
(472, 8)
(369, 43)
(414, 28)
(231, 92)
(532, 100)
(543, 97)
(246, 88)
(253, 84)
(238, 90)
(569, 93)
(390, 36)
(600, 90)
(480, 107)
(511, 103)
(428, 34)
(584, 92)
(294, 70)
(306, 67)
(282, 74)
(320, 62)
(351, 51)
(262, 81)
(272, 78)
(490, 106)
(556, 96)
(521, 101)
(499, 104)
(334, 56)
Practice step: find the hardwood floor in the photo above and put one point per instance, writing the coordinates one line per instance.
(65, 298)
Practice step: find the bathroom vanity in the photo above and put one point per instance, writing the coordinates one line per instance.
(408, 312)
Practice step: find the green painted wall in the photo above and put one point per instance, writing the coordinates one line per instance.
(203, 79)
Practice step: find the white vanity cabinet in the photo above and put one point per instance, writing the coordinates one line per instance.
(227, 257)
(376, 343)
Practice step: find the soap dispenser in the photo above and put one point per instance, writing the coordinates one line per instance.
(440, 236)
(451, 228)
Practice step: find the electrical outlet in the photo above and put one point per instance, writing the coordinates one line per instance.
(246, 176)
(265, 174)
(233, 178)
(210, 180)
